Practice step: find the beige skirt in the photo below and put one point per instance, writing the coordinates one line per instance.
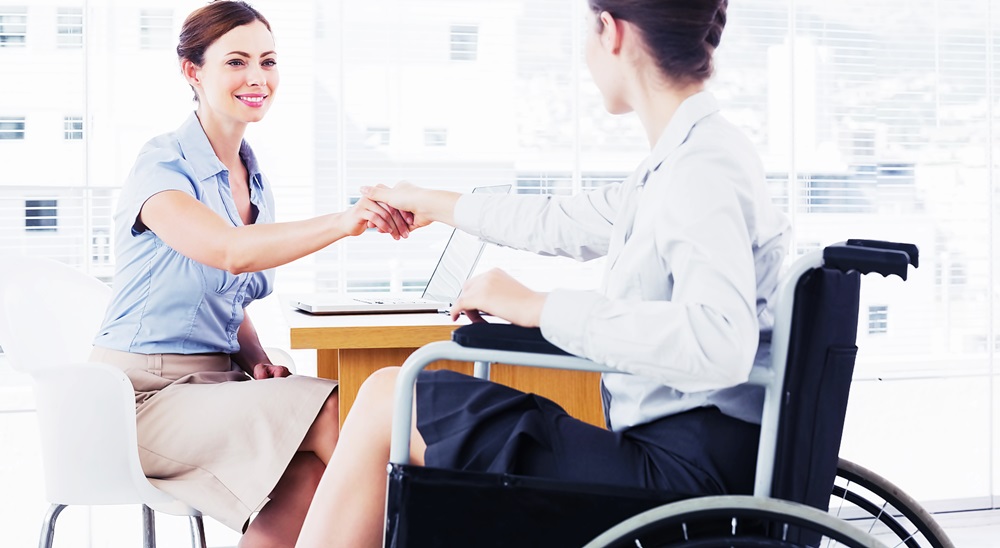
(212, 437)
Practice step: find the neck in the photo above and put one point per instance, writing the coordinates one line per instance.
(224, 137)
(656, 105)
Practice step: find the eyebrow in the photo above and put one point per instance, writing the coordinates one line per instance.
(247, 55)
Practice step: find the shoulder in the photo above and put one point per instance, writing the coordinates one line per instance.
(161, 165)
(160, 149)
(716, 157)
(715, 141)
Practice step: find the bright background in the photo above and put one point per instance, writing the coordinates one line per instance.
(874, 120)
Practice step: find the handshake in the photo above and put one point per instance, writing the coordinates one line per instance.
(407, 207)
(401, 209)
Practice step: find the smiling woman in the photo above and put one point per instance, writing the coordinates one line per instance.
(196, 243)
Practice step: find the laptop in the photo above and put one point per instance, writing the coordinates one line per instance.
(457, 262)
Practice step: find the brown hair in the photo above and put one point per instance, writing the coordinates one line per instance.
(207, 24)
(681, 35)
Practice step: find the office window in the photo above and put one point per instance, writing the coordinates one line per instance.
(544, 183)
(590, 181)
(100, 245)
(73, 128)
(13, 26)
(435, 137)
(41, 215)
(156, 28)
(464, 42)
(878, 319)
(11, 128)
(69, 28)
(378, 136)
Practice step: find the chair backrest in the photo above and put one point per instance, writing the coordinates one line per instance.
(817, 384)
(51, 311)
(49, 314)
(819, 365)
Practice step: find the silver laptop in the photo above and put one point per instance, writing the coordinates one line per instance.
(454, 266)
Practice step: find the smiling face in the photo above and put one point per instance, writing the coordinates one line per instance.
(239, 76)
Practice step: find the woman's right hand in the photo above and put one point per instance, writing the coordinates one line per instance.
(366, 213)
(420, 206)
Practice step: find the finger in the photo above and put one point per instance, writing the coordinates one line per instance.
(385, 212)
(474, 316)
(260, 371)
(376, 193)
(401, 224)
(394, 218)
(378, 221)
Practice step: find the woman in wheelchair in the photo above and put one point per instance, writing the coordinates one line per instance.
(693, 247)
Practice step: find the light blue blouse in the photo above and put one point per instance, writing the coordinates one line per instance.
(164, 302)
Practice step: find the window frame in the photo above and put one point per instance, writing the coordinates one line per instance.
(13, 33)
(41, 215)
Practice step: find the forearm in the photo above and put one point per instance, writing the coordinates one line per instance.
(251, 352)
(438, 205)
(254, 248)
(197, 232)
(544, 225)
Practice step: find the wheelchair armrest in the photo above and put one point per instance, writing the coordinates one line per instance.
(499, 336)
(867, 256)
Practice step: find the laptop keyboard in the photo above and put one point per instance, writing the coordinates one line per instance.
(389, 300)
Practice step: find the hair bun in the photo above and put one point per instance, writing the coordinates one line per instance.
(714, 34)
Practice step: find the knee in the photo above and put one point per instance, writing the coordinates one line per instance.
(376, 393)
(379, 385)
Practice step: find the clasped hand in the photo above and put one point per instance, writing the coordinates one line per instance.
(493, 292)
(270, 371)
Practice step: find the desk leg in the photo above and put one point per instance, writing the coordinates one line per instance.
(327, 363)
(355, 365)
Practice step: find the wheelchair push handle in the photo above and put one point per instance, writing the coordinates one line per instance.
(868, 256)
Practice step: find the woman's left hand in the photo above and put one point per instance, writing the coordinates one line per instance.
(269, 371)
(497, 293)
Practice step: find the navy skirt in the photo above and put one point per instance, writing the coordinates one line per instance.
(477, 425)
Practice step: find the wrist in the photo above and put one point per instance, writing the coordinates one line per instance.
(442, 206)
(535, 305)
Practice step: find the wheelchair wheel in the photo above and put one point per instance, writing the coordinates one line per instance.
(875, 505)
(733, 521)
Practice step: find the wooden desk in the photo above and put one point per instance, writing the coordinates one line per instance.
(351, 347)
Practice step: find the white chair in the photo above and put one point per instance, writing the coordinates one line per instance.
(49, 314)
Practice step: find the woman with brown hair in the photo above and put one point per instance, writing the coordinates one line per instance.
(693, 247)
(220, 426)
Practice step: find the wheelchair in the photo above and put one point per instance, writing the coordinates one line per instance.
(804, 495)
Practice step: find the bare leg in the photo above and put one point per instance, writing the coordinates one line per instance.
(279, 521)
(325, 431)
(349, 506)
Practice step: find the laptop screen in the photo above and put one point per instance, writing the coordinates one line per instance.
(460, 256)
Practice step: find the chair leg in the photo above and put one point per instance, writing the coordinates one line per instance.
(198, 532)
(148, 527)
(49, 526)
